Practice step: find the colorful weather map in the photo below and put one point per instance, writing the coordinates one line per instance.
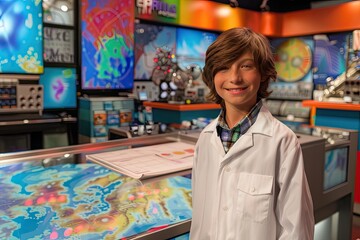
(107, 38)
(21, 41)
(86, 201)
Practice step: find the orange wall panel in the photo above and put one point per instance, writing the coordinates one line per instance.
(342, 17)
(271, 24)
(216, 16)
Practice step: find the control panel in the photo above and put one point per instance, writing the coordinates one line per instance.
(15, 97)
(29, 97)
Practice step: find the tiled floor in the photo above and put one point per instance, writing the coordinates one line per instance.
(356, 228)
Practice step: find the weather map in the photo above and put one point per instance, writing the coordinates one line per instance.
(21, 44)
(86, 201)
(107, 44)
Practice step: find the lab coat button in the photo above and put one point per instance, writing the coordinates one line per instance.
(225, 208)
(252, 189)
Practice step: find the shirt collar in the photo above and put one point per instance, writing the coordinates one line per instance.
(251, 116)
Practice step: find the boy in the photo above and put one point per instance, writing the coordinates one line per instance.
(248, 175)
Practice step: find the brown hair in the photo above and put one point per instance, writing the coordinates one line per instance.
(226, 50)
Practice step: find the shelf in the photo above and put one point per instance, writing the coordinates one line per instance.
(331, 105)
(182, 107)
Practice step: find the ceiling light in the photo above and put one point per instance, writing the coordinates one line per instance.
(64, 8)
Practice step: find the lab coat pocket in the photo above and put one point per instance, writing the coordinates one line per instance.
(254, 194)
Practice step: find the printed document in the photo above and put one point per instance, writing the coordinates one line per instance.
(149, 161)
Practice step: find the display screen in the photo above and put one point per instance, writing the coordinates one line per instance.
(107, 37)
(59, 45)
(148, 38)
(55, 139)
(293, 58)
(329, 56)
(86, 201)
(21, 41)
(59, 12)
(191, 46)
(293, 62)
(59, 86)
(336, 164)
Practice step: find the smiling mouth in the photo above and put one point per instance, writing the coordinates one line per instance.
(235, 90)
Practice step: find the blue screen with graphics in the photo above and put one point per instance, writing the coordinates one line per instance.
(59, 87)
(191, 46)
(21, 41)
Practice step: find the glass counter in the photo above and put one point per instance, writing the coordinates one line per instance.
(57, 194)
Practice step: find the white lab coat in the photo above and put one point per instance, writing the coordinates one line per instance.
(257, 190)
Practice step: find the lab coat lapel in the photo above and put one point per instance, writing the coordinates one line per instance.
(215, 141)
(217, 144)
(242, 144)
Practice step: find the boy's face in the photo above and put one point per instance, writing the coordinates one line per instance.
(239, 84)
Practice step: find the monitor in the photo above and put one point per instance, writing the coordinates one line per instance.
(21, 41)
(148, 38)
(59, 12)
(107, 39)
(336, 166)
(55, 139)
(191, 46)
(293, 62)
(142, 96)
(329, 56)
(59, 87)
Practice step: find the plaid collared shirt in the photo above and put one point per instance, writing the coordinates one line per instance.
(230, 136)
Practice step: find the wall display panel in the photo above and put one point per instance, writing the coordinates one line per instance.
(191, 46)
(60, 12)
(59, 86)
(21, 44)
(293, 63)
(59, 45)
(107, 38)
(148, 38)
(336, 164)
(329, 56)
